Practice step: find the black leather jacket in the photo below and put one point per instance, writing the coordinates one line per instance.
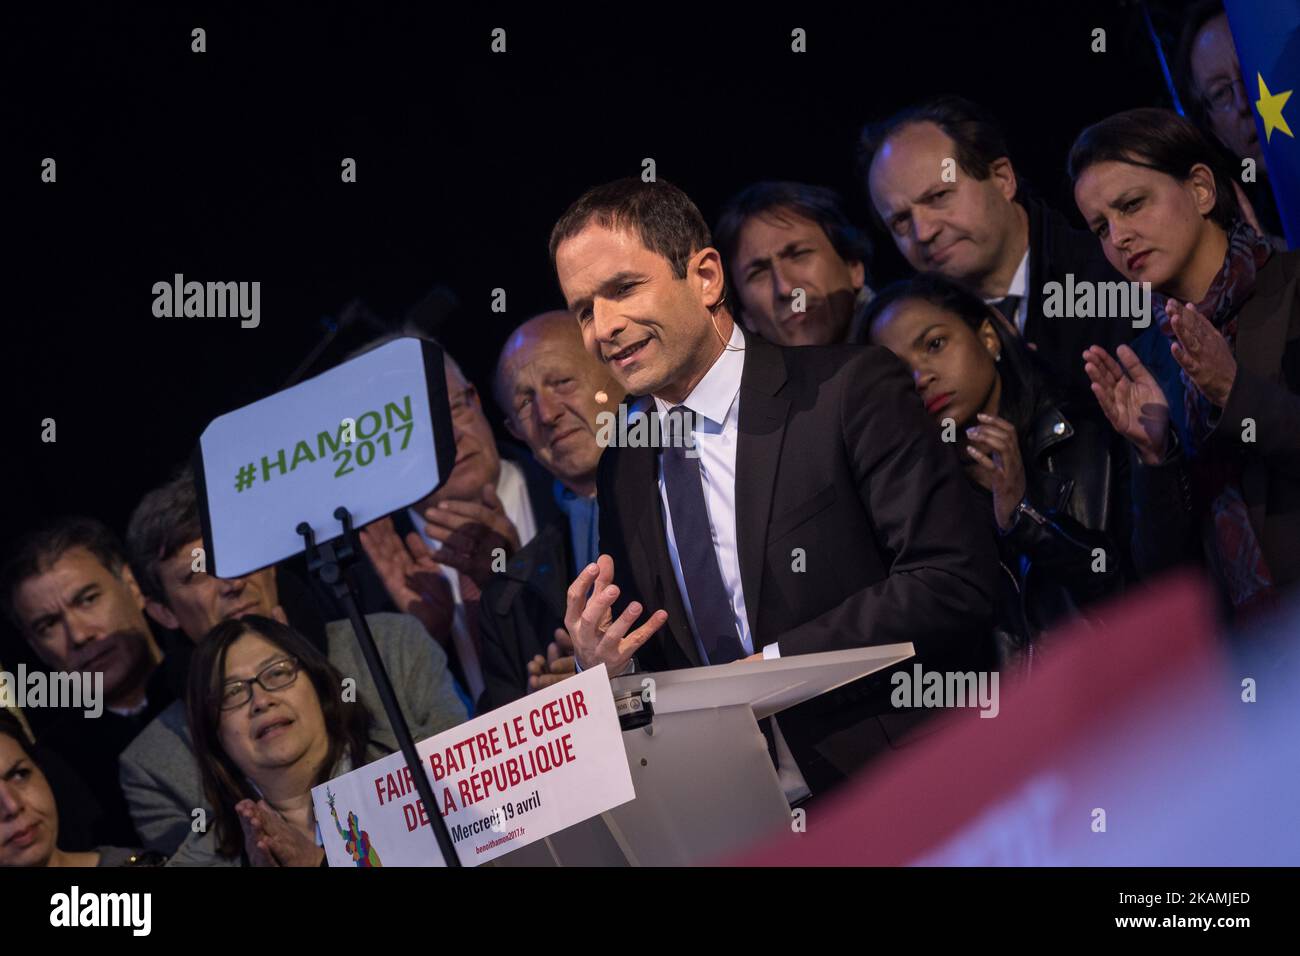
(1069, 544)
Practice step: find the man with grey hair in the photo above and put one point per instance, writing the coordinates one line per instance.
(552, 393)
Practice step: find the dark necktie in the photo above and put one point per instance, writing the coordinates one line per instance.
(715, 620)
(1008, 308)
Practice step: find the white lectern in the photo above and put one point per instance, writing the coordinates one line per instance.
(705, 785)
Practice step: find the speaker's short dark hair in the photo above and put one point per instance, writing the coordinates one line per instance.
(976, 135)
(166, 519)
(39, 550)
(661, 215)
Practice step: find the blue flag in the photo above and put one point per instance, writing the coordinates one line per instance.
(1267, 37)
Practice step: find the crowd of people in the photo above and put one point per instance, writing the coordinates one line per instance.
(943, 461)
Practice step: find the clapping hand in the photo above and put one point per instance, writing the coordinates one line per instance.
(558, 663)
(1203, 352)
(1131, 400)
(470, 533)
(271, 840)
(995, 450)
(411, 576)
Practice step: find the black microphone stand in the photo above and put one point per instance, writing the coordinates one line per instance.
(330, 563)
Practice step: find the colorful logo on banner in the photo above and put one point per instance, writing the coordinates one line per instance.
(355, 839)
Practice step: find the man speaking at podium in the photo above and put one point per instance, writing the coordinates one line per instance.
(810, 507)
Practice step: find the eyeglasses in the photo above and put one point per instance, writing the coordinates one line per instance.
(274, 676)
(1223, 95)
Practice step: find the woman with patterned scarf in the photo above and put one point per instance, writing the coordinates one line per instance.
(1221, 362)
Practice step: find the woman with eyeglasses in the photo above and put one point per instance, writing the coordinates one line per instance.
(1222, 357)
(1056, 493)
(268, 723)
(29, 814)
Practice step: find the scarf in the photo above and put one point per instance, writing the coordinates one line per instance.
(1240, 557)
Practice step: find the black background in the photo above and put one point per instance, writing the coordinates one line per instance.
(333, 907)
(225, 166)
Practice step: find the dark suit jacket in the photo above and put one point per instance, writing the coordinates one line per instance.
(1266, 391)
(90, 746)
(835, 457)
(519, 612)
(1055, 249)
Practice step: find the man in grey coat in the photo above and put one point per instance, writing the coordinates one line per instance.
(158, 771)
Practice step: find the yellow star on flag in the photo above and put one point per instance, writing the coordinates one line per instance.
(1270, 110)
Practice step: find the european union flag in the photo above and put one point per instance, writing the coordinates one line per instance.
(1267, 36)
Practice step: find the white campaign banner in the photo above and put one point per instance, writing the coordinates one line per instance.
(362, 435)
(501, 781)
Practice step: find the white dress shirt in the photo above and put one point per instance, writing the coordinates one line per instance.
(716, 403)
(512, 489)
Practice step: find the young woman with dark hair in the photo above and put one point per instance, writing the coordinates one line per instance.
(1056, 488)
(29, 814)
(1221, 358)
